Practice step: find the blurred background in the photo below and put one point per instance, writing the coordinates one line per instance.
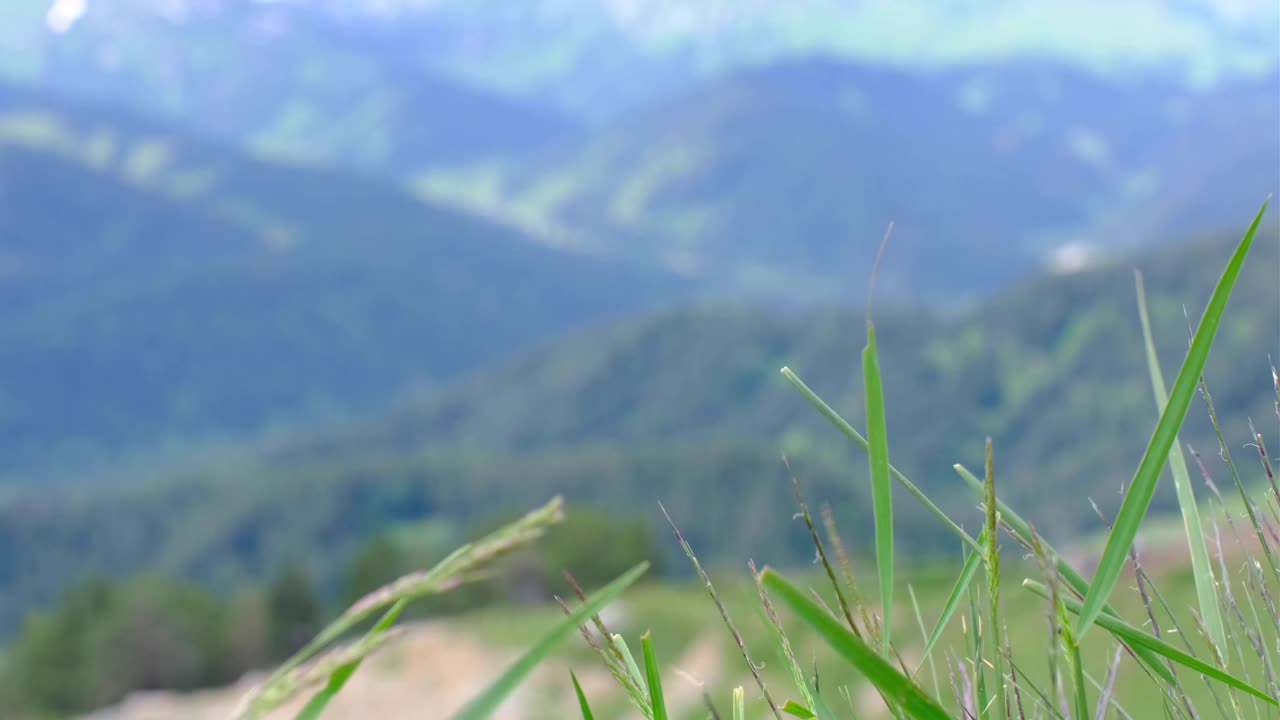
(298, 294)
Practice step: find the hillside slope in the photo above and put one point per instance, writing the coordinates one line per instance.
(1053, 370)
(779, 181)
(687, 408)
(275, 77)
(160, 287)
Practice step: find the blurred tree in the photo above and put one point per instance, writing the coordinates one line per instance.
(165, 636)
(378, 561)
(596, 546)
(105, 640)
(247, 627)
(51, 657)
(293, 610)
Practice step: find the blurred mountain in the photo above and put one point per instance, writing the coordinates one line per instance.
(760, 147)
(158, 286)
(687, 407)
(270, 77)
(1053, 369)
(779, 181)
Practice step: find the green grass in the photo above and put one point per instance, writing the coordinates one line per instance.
(1021, 650)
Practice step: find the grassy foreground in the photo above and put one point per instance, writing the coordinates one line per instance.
(984, 643)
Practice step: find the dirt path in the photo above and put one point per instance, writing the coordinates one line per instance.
(431, 672)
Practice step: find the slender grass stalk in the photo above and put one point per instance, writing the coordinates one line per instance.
(338, 679)
(582, 698)
(712, 712)
(977, 662)
(1038, 694)
(969, 569)
(1133, 635)
(1220, 659)
(900, 690)
(739, 704)
(724, 614)
(993, 584)
(656, 700)
(1142, 487)
(612, 659)
(846, 569)
(1024, 534)
(844, 427)
(1249, 506)
(924, 634)
(446, 575)
(1080, 696)
(629, 662)
(881, 490)
(822, 551)
(784, 644)
(1013, 677)
(486, 702)
(1054, 643)
(1201, 568)
(1105, 693)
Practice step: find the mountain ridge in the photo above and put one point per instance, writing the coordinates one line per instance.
(181, 288)
(778, 182)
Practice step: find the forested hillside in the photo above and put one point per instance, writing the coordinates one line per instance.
(275, 78)
(687, 408)
(161, 287)
(778, 181)
(769, 172)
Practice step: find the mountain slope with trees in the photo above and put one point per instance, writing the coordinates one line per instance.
(778, 181)
(161, 287)
(687, 408)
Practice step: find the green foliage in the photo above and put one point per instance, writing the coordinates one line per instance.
(990, 650)
(332, 308)
(485, 703)
(308, 667)
(881, 489)
(896, 687)
(583, 705)
(104, 640)
(821, 152)
(293, 610)
(1140, 490)
(1201, 569)
(376, 563)
(685, 406)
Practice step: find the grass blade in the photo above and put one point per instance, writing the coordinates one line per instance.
(992, 531)
(953, 600)
(1023, 532)
(783, 643)
(630, 661)
(724, 614)
(318, 702)
(881, 490)
(844, 427)
(1136, 637)
(1142, 487)
(656, 701)
(739, 703)
(933, 669)
(892, 684)
(489, 700)
(1201, 568)
(795, 709)
(582, 698)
